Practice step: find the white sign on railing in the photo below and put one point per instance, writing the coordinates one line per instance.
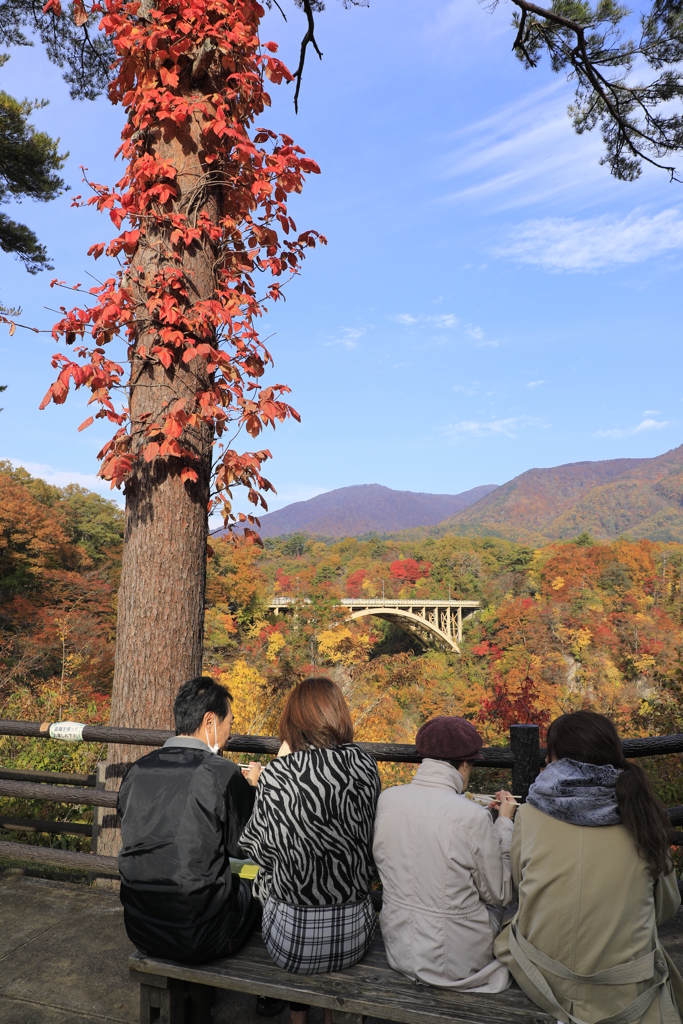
(72, 732)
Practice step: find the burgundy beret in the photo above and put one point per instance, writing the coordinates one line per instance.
(449, 739)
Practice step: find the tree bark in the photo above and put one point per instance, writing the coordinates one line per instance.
(160, 614)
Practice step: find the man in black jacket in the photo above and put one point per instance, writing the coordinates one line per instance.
(182, 810)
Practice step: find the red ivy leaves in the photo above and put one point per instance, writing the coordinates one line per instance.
(153, 82)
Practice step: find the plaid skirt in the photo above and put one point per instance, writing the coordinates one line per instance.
(317, 940)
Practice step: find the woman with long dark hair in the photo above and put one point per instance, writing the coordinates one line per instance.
(590, 860)
(311, 835)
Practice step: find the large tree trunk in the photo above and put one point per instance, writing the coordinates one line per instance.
(160, 615)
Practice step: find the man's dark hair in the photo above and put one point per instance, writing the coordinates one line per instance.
(195, 698)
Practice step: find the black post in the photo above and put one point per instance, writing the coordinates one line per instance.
(526, 750)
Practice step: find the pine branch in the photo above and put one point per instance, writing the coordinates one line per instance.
(587, 43)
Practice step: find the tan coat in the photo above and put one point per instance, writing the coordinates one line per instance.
(441, 860)
(587, 901)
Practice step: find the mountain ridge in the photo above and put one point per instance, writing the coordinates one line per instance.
(366, 508)
(636, 498)
(639, 498)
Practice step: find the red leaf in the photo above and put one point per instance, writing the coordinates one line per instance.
(46, 400)
(86, 423)
(169, 77)
(151, 451)
(189, 474)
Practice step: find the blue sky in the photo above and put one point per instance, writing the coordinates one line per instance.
(490, 300)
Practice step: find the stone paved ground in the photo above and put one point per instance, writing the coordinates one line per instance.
(64, 953)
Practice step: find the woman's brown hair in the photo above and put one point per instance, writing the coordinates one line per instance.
(316, 715)
(591, 738)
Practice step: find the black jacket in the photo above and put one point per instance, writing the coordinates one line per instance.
(182, 812)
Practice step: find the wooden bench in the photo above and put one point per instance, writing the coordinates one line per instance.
(172, 993)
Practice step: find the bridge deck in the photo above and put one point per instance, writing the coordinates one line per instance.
(428, 620)
(376, 602)
(407, 602)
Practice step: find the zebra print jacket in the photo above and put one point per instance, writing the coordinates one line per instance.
(312, 824)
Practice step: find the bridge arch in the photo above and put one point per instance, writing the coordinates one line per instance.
(411, 622)
(428, 620)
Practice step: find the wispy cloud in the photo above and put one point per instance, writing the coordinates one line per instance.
(535, 383)
(508, 427)
(446, 322)
(646, 424)
(651, 412)
(650, 425)
(594, 244)
(347, 337)
(522, 154)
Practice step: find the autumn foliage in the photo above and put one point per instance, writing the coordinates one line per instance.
(566, 626)
(191, 76)
(570, 625)
(407, 570)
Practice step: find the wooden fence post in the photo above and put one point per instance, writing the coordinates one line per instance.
(526, 749)
(98, 811)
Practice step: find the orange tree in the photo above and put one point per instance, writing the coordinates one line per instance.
(59, 563)
(200, 212)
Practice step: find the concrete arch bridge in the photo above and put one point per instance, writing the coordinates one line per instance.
(437, 622)
(429, 621)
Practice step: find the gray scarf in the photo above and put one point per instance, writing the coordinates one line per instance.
(581, 794)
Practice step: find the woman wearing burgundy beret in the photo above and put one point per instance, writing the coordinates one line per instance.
(444, 865)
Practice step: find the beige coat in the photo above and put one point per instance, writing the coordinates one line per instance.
(587, 901)
(441, 860)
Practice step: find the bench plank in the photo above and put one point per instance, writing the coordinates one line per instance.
(370, 988)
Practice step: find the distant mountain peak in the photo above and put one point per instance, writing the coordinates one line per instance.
(367, 508)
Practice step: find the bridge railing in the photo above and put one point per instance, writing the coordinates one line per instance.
(398, 602)
(524, 756)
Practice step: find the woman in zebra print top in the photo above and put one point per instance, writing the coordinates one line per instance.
(311, 835)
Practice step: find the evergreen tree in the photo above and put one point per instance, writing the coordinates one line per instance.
(71, 39)
(29, 161)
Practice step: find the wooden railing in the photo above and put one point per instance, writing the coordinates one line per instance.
(524, 756)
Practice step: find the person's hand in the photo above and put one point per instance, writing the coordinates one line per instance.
(252, 772)
(505, 804)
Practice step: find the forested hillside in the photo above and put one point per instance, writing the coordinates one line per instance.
(60, 551)
(571, 624)
(568, 624)
(633, 497)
